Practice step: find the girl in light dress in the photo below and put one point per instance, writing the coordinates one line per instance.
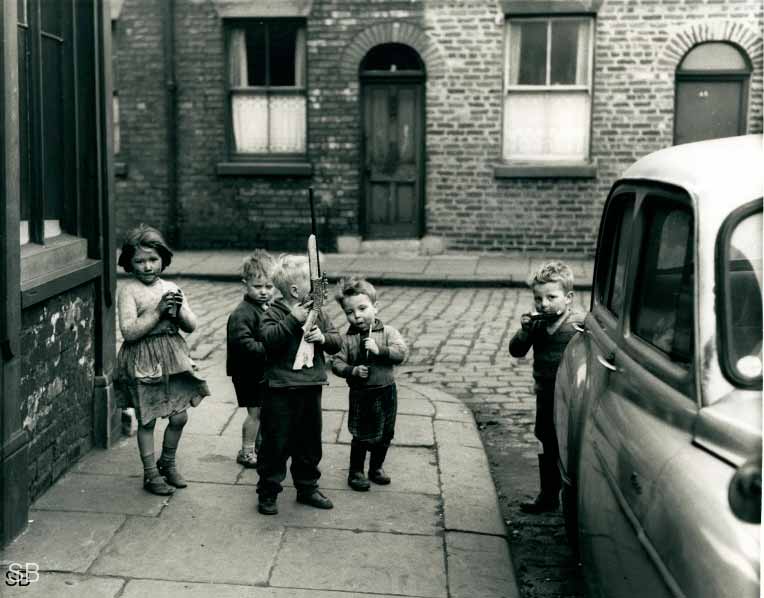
(154, 372)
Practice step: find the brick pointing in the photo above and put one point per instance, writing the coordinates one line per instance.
(638, 46)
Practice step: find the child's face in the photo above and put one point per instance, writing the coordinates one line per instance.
(550, 297)
(147, 264)
(360, 311)
(259, 289)
(300, 288)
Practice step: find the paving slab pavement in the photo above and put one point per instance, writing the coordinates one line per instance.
(450, 269)
(435, 532)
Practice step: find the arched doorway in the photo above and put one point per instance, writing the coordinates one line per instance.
(711, 93)
(392, 98)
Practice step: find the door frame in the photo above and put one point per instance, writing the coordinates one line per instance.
(386, 77)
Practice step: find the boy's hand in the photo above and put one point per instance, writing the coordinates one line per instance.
(300, 311)
(361, 371)
(371, 345)
(526, 322)
(314, 335)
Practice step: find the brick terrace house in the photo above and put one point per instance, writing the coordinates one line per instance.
(491, 125)
(57, 321)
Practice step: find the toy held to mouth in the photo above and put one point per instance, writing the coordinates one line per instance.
(544, 316)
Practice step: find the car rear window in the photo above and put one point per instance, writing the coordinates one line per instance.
(742, 317)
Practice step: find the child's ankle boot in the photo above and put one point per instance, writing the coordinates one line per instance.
(171, 474)
(158, 486)
(357, 481)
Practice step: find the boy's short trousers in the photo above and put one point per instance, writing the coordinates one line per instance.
(248, 393)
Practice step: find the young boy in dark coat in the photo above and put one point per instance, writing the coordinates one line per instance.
(548, 331)
(291, 417)
(245, 354)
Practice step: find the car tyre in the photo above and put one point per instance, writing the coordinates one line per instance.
(570, 513)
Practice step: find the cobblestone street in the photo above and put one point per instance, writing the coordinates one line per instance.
(458, 340)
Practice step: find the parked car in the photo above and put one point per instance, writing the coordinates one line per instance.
(658, 404)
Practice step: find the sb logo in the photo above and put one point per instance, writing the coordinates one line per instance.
(19, 574)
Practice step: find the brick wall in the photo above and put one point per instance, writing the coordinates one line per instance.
(142, 195)
(638, 46)
(57, 368)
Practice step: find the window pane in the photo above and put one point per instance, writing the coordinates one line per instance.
(287, 120)
(21, 15)
(743, 307)
(532, 47)
(115, 111)
(52, 123)
(25, 186)
(713, 56)
(621, 238)
(391, 57)
(283, 43)
(255, 61)
(250, 123)
(663, 312)
(546, 126)
(50, 16)
(570, 52)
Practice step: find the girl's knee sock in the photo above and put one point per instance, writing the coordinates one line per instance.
(145, 436)
(150, 470)
(171, 439)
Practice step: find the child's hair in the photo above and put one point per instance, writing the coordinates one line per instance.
(352, 286)
(553, 272)
(259, 264)
(290, 269)
(147, 237)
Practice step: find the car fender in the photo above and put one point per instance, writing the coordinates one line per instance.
(569, 393)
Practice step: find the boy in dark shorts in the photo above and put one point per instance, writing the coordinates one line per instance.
(245, 356)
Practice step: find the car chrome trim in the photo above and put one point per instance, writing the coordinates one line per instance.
(606, 364)
(642, 537)
(723, 323)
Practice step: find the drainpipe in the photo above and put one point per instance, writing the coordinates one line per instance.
(171, 114)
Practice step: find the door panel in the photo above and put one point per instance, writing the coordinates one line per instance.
(708, 110)
(393, 151)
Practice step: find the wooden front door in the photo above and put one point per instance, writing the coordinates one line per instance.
(708, 109)
(393, 151)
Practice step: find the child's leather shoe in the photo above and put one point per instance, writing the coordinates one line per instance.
(314, 499)
(247, 459)
(378, 476)
(357, 481)
(267, 505)
(171, 474)
(542, 504)
(157, 486)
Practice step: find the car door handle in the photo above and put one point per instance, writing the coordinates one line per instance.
(606, 364)
(579, 328)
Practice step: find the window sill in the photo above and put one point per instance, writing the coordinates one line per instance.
(545, 170)
(61, 264)
(295, 168)
(120, 169)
